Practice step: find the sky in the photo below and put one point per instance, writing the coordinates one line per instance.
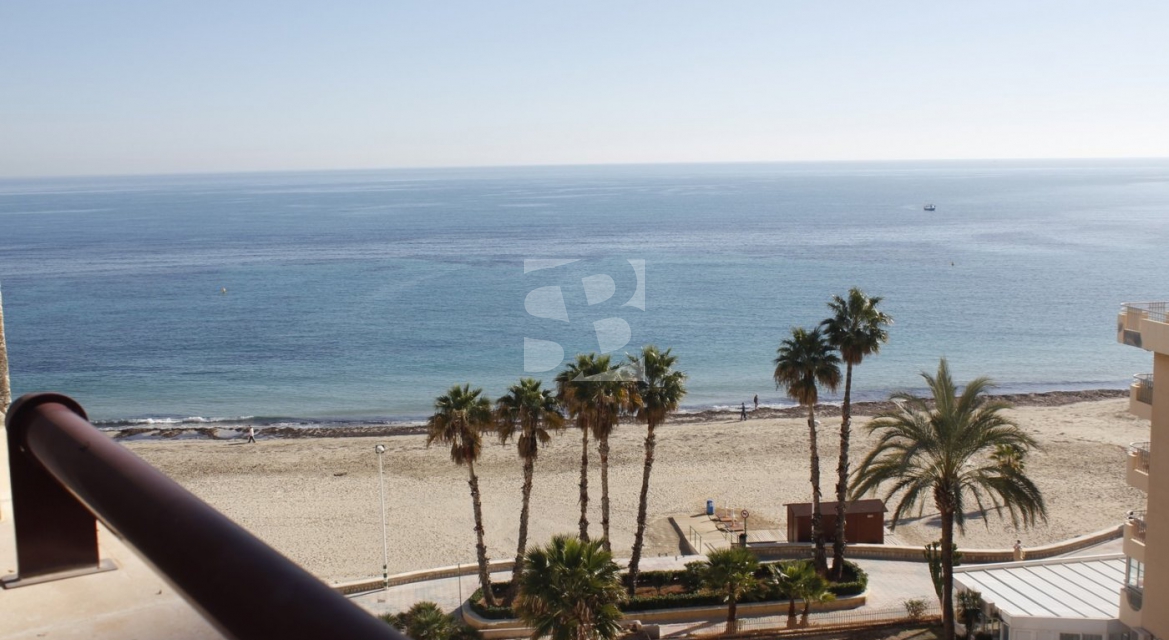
(165, 87)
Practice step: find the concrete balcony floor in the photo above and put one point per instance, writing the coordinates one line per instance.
(127, 603)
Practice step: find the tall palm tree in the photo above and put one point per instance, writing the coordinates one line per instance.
(461, 416)
(731, 572)
(527, 413)
(942, 448)
(596, 394)
(804, 363)
(660, 389)
(569, 590)
(856, 329)
(573, 396)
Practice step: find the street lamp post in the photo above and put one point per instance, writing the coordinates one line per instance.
(381, 490)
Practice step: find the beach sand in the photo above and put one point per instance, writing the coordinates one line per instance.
(316, 499)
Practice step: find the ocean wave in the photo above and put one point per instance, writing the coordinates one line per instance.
(173, 422)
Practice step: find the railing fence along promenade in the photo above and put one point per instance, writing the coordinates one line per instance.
(830, 620)
(66, 475)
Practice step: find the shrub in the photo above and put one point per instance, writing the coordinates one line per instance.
(692, 575)
(671, 601)
(498, 612)
(915, 608)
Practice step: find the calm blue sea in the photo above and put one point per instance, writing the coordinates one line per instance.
(359, 296)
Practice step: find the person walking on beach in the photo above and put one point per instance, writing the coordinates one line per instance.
(756, 401)
(251, 435)
(743, 412)
(1020, 555)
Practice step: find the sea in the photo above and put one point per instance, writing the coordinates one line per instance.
(357, 297)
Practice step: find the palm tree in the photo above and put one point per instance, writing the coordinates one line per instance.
(426, 621)
(941, 448)
(804, 363)
(596, 394)
(573, 396)
(569, 590)
(812, 587)
(1008, 455)
(856, 329)
(527, 413)
(731, 572)
(786, 577)
(660, 389)
(460, 418)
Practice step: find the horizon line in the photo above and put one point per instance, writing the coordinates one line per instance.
(565, 165)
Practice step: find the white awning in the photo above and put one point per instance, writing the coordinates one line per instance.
(1085, 588)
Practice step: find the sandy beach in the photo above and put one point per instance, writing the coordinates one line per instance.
(316, 499)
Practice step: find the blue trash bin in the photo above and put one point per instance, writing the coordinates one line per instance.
(710, 507)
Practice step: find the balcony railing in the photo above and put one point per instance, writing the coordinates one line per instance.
(1155, 311)
(1139, 527)
(1144, 385)
(66, 475)
(1141, 451)
(1135, 597)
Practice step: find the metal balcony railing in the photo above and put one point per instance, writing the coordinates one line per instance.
(66, 475)
(1139, 528)
(1135, 597)
(1155, 311)
(1144, 384)
(1141, 451)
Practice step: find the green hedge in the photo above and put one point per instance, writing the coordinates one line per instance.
(671, 601)
(491, 613)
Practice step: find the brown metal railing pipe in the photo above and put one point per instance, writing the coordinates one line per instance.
(241, 585)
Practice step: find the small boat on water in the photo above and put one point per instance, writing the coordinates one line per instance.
(930, 207)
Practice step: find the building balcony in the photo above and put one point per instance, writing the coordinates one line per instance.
(1131, 601)
(1137, 474)
(1140, 396)
(1134, 536)
(1144, 325)
(106, 546)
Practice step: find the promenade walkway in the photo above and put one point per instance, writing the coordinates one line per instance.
(890, 584)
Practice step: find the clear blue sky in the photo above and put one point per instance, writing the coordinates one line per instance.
(163, 87)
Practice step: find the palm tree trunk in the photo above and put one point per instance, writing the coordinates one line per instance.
(603, 449)
(804, 614)
(529, 469)
(480, 546)
(791, 607)
(819, 558)
(732, 612)
(947, 514)
(642, 507)
(584, 484)
(842, 477)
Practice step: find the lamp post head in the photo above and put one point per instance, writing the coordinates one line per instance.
(380, 449)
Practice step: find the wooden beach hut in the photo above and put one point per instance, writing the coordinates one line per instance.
(864, 521)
